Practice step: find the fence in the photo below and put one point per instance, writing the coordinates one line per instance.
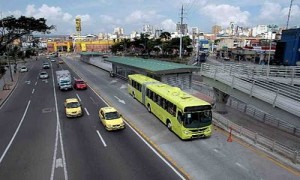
(264, 117)
(271, 146)
(232, 75)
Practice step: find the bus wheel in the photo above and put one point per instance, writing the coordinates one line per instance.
(169, 125)
(149, 108)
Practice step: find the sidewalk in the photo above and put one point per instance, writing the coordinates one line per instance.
(5, 90)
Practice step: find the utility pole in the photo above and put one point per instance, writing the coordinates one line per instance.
(287, 24)
(181, 32)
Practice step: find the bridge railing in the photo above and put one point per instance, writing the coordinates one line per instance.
(287, 74)
(270, 146)
(230, 75)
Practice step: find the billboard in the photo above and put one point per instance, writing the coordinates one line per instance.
(78, 24)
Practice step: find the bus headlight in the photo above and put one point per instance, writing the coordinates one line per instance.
(186, 132)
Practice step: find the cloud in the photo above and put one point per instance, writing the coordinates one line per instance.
(273, 13)
(142, 16)
(168, 25)
(224, 14)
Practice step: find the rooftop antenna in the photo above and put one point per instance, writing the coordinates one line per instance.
(287, 24)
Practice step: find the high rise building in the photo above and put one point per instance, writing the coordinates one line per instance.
(216, 29)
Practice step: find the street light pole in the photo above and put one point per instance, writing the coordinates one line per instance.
(269, 57)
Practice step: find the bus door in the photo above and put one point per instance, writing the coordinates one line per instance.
(179, 122)
(143, 93)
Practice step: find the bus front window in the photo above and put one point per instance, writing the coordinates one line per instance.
(196, 119)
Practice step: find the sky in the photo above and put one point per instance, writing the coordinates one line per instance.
(102, 16)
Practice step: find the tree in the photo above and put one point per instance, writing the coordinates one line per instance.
(165, 36)
(12, 28)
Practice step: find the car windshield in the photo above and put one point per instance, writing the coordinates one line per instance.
(72, 105)
(79, 82)
(43, 73)
(196, 119)
(112, 115)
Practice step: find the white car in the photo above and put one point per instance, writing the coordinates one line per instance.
(43, 75)
(52, 60)
(23, 69)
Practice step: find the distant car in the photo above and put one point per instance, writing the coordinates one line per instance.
(79, 84)
(43, 75)
(48, 57)
(53, 60)
(60, 62)
(111, 119)
(23, 69)
(73, 107)
(46, 65)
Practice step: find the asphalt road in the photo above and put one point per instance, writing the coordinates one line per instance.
(212, 158)
(39, 142)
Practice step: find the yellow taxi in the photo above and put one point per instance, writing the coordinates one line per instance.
(73, 107)
(111, 119)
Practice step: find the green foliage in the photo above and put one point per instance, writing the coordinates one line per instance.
(14, 28)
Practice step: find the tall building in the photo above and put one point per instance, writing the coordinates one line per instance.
(216, 29)
(147, 29)
(118, 31)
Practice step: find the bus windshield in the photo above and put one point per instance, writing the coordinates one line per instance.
(196, 119)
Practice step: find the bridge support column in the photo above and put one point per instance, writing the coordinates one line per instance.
(220, 101)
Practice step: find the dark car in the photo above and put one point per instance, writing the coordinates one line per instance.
(79, 84)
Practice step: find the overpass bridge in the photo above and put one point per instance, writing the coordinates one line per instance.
(273, 89)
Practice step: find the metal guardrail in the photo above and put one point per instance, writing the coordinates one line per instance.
(230, 75)
(264, 117)
(257, 139)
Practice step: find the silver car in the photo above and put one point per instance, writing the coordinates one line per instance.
(23, 69)
(43, 75)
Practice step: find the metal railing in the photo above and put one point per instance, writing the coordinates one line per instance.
(264, 117)
(231, 76)
(271, 146)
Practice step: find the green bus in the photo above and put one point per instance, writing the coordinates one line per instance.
(186, 115)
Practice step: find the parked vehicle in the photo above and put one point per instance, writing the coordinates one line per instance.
(79, 84)
(111, 119)
(63, 78)
(23, 69)
(43, 75)
(73, 107)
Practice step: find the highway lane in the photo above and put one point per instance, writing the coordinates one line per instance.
(212, 158)
(29, 155)
(92, 152)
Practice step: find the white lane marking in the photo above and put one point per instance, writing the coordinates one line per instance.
(58, 163)
(101, 138)
(32, 91)
(87, 112)
(93, 100)
(35, 83)
(120, 100)
(58, 136)
(78, 97)
(9, 96)
(241, 166)
(16, 132)
(141, 139)
(99, 96)
(161, 157)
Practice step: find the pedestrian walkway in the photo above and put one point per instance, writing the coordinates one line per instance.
(7, 84)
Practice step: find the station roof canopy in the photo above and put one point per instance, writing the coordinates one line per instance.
(152, 66)
(92, 54)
